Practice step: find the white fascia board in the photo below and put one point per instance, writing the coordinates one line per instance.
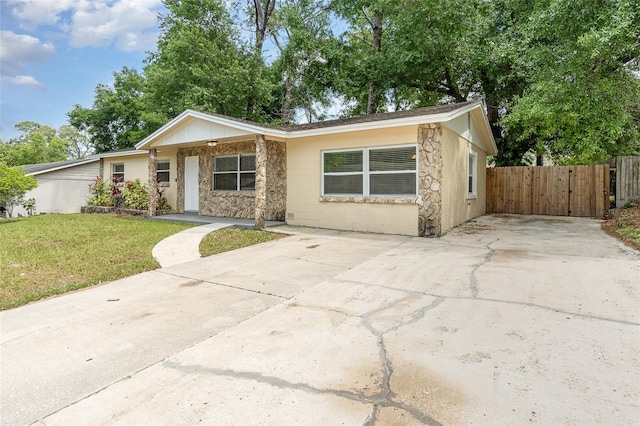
(253, 129)
(65, 166)
(163, 129)
(119, 154)
(487, 127)
(250, 129)
(383, 124)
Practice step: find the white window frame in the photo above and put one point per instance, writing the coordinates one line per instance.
(167, 170)
(238, 172)
(361, 173)
(114, 173)
(472, 174)
(366, 173)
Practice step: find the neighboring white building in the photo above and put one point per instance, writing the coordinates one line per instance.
(63, 187)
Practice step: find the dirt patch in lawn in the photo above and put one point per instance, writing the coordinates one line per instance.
(624, 224)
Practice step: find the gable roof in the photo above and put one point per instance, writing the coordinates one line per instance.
(220, 127)
(36, 169)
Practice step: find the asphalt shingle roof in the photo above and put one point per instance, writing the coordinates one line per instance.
(41, 167)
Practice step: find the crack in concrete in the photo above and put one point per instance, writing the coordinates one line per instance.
(560, 310)
(473, 280)
(226, 285)
(371, 420)
(418, 315)
(385, 396)
(538, 306)
(284, 384)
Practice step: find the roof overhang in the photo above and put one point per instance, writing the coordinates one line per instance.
(63, 166)
(197, 127)
(193, 127)
(122, 153)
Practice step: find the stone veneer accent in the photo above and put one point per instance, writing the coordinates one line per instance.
(152, 190)
(238, 204)
(430, 180)
(261, 182)
(276, 180)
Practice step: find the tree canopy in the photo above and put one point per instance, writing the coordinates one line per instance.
(37, 144)
(13, 186)
(560, 78)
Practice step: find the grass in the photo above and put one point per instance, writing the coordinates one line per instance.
(624, 224)
(46, 255)
(233, 238)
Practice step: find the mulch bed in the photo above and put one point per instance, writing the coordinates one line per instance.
(617, 218)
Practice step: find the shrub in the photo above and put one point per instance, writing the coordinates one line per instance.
(30, 206)
(163, 204)
(135, 195)
(101, 193)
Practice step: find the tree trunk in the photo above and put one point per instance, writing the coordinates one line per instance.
(376, 28)
(287, 112)
(261, 21)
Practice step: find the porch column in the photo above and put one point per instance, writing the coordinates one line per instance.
(261, 182)
(153, 181)
(430, 180)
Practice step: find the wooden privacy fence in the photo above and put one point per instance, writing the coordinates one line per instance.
(556, 191)
(626, 178)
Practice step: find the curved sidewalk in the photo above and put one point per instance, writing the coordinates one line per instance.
(185, 245)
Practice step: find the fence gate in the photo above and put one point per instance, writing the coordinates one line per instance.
(556, 191)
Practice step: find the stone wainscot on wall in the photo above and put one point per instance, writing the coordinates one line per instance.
(237, 204)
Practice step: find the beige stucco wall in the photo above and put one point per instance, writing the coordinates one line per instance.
(137, 167)
(304, 168)
(456, 207)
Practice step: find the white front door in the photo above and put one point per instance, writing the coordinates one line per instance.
(191, 170)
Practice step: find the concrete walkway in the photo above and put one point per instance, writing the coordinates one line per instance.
(184, 246)
(505, 320)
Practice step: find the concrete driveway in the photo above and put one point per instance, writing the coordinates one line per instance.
(505, 320)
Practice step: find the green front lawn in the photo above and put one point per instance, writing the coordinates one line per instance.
(234, 238)
(52, 254)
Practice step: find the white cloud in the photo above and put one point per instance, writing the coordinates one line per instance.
(34, 13)
(18, 50)
(130, 25)
(26, 80)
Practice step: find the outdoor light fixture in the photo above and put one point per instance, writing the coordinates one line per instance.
(212, 143)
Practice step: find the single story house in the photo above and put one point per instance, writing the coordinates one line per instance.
(418, 172)
(63, 186)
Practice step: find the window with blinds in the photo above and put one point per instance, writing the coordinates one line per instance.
(234, 172)
(380, 172)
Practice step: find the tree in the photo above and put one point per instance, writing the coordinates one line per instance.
(300, 31)
(120, 116)
(79, 145)
(364, 67)
(582, 104)
(13, 186)
(199, 63)
(37, 144)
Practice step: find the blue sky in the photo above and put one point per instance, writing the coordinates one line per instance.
(53, 53)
